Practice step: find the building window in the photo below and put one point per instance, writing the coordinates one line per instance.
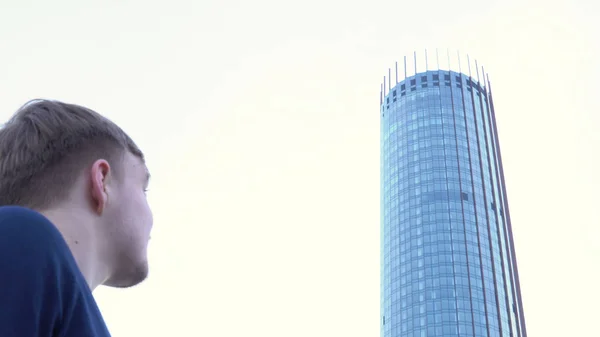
(464, 196)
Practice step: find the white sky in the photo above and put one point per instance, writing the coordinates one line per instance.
(260, 121)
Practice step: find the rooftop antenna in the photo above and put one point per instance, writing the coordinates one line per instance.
(469, 65)
(415, 56)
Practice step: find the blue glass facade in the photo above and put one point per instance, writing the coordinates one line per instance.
(448, 264)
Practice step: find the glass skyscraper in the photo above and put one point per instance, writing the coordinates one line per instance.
(448, 265)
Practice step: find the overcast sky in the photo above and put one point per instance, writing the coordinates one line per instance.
(260, 122)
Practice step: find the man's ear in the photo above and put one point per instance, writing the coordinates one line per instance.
(99, 175)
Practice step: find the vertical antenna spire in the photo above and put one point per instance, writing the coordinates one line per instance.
(415, 56)
(469, 64)
(483, 77)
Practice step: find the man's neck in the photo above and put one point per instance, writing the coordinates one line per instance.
(83, 244)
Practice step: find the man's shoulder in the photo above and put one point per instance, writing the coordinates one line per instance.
(28, 232)
(41, 288)
(25, 220)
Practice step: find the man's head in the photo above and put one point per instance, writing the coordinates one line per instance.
(58, 156)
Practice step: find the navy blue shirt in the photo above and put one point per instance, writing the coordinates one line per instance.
(42, 291)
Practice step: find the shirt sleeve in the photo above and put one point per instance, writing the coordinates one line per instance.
(32, 275)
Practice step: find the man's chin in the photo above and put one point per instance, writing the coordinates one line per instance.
(129, 278)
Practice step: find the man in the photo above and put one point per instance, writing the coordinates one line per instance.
(73, 216)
